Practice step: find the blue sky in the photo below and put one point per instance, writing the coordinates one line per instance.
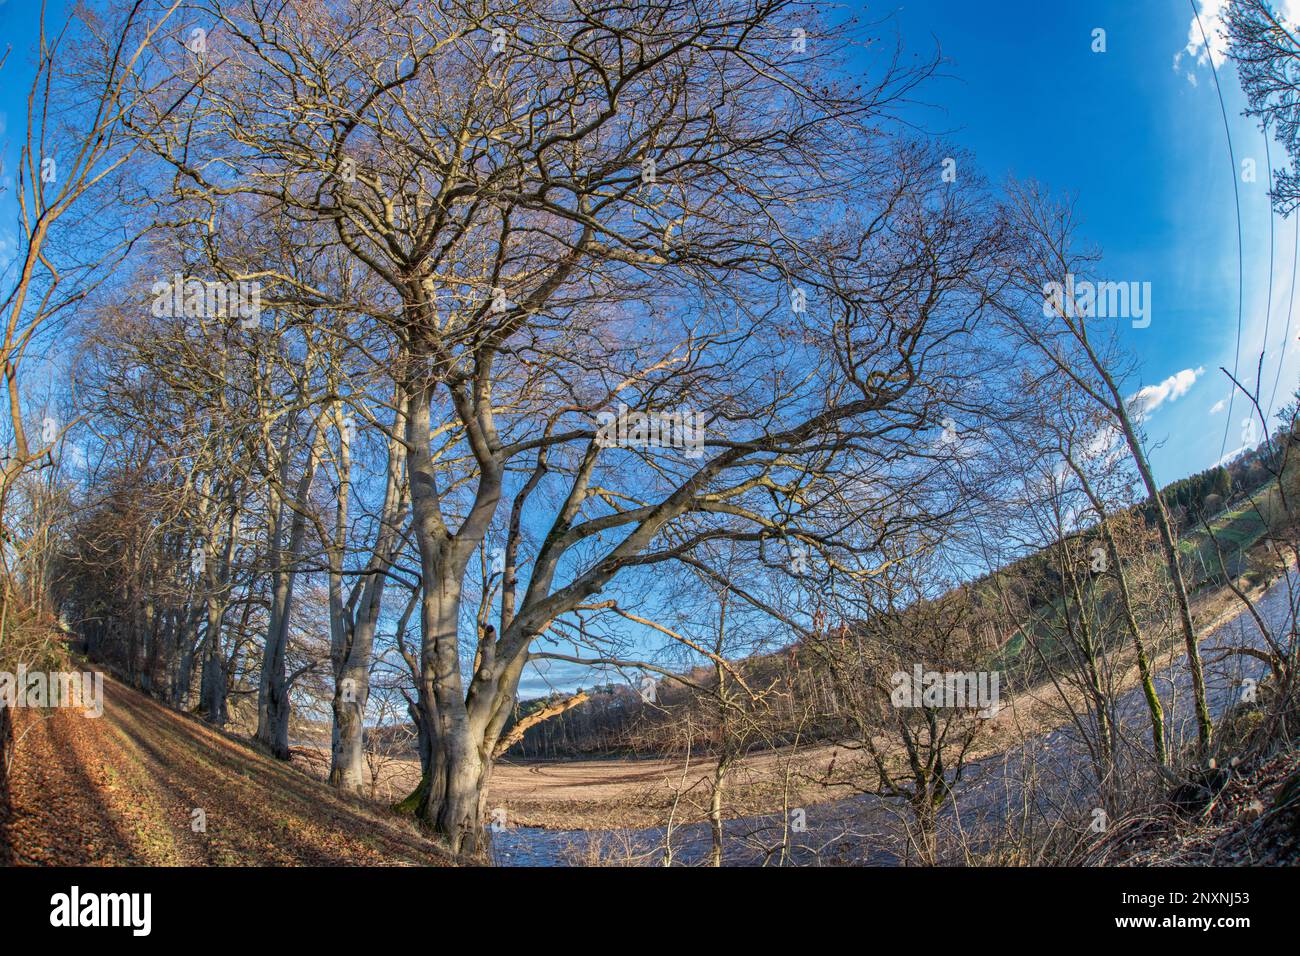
(1139, 140)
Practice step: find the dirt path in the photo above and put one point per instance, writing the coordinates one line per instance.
(122, 789)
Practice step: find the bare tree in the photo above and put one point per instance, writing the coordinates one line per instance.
(916, 742)
(73, 153)
(1266, 51)
(1045, 312)
(532, 252)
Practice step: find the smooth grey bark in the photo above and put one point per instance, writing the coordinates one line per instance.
(183, 680)
(455, 793)
(353, 623)
(213, 688)
(212, 693)
(273, 703)
(466, 727)
(157, 634)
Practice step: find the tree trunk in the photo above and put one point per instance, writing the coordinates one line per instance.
(183, 680)
(452, 804)
(273, 689)
(715, 810)
(455, 806)
(212, 694)
(1154, 707)
(352, 637)
(273, 705)
(1119, 408)
(347, 736)
(1204, 724)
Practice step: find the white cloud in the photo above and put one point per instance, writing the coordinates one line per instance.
(1211, 19)
(1150, 397)
(1108, 440)
(1219, 406)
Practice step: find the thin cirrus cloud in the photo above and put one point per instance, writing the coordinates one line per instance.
(1218, 406)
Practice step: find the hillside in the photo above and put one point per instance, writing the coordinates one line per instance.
(1254, 821)
(1237, 501)
(133, 779)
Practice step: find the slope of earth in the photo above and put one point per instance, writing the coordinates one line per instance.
(125, 789)
(1253, 821)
